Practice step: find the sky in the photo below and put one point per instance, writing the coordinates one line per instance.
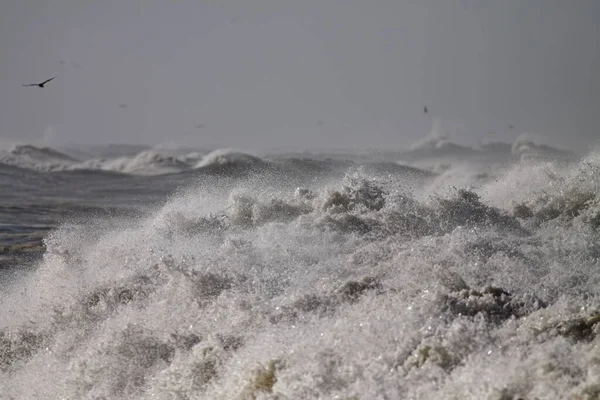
(307, 73)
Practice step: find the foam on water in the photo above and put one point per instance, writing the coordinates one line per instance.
(227, 156)
(37, 158)
(435, 153)
(148, 162)
(372, 286)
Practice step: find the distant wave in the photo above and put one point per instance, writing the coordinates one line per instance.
(440, 150)
(41, 154)
(525, 147)
(147, 162)
(106, 151)
(43, 159)
(435, 153)
(227, 156)
(37, 158)
(435, 142)
(231, 162)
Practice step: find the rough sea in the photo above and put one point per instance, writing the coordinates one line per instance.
(439, 272)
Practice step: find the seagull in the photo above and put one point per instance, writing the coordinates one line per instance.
(40, 84)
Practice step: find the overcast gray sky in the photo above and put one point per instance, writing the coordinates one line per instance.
(309, 73)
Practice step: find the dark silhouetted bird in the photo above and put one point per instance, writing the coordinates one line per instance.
(425, 110)
(40, 84)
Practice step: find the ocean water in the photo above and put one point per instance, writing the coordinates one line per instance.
(440, 272)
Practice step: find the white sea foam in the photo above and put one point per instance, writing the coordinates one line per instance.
(148, 162)
(481, 282)
(227, 156)
(38, 158)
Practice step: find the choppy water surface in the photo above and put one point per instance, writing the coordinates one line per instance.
(302, 276)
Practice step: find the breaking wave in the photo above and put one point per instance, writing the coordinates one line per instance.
(436, 153)
(468, 285)
(148, 162)
(145, 162)
(527, 148)
(37, 158)
(227, 156)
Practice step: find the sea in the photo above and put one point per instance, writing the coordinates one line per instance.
(440, 271)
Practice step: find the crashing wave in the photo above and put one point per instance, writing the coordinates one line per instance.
(37, 158)
(526, 148)
(227, 157)
(227, 161)
(108, 151)
(494, 147)
(436, 153)
(148, 162)
(341, 289)
(41, 154)
(570, 197)
(435, 146)
(192, 158)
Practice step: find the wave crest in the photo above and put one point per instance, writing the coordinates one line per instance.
(148, 162)
(37, 158)
(227, 157)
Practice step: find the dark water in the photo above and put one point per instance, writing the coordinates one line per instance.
(33, 203)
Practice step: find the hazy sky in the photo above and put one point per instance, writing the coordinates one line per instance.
(309, 73)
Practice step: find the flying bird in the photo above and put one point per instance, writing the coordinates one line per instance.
(40, 84)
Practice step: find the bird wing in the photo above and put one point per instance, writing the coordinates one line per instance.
(47, 81)
(33, 84)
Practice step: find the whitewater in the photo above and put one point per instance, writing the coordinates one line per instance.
(443, 271)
